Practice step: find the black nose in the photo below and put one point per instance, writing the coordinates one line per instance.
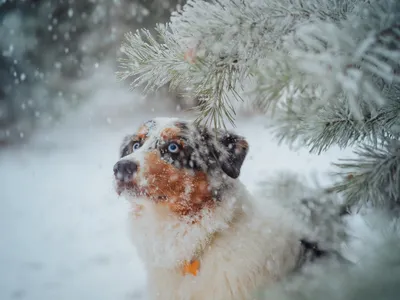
(124, 169)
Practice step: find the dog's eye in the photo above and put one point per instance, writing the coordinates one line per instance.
(173, 148)
(136, 146)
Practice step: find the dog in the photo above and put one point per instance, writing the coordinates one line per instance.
(194, 224)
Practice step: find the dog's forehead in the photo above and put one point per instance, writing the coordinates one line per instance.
(159, 127)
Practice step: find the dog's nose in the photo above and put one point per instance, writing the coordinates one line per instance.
(124, 169)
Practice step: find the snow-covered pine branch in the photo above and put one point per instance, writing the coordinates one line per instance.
(333, 124)
(354, 64)
(374, 175)
(354, 59)
(211, 46)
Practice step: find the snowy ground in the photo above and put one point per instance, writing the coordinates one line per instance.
(64, 231)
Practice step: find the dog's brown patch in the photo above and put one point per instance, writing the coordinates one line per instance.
(186, 192)
(170, 133)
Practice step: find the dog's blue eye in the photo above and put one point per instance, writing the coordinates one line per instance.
(136, 146)
(173, 148)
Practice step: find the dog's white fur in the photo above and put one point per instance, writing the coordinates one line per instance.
(239, 248)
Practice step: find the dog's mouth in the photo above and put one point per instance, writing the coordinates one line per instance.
(130, 186)
(135, 190)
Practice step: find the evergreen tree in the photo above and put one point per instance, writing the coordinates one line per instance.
(327, 73)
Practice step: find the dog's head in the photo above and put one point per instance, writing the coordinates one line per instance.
(178, 163)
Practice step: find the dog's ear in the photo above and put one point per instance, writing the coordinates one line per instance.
(234, 151)
(124, 149)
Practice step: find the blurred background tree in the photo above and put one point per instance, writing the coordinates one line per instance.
(47, 46)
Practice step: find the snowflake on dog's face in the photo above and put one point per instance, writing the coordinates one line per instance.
(179, 164)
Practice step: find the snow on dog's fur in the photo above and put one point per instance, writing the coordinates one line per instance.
(193, 222)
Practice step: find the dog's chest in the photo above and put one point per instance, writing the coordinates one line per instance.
(217, 278)
(247, 252)
(232, 268)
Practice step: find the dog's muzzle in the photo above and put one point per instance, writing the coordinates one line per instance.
(124, 170)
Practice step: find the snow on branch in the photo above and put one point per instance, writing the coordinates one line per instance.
(152, 62)
(248, 27)
(354, 58)
(333, 124)
(374, 176)
(211, 46)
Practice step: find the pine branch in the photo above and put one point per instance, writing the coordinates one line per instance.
(372, 177)
(349, 58)
(231, 39)
(334, 125)
(227, 38)
(330, 63)
(152, 62)
(277, 82)
(249, 25)
(390, 114)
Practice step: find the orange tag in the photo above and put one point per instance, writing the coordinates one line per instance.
(191, 267)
